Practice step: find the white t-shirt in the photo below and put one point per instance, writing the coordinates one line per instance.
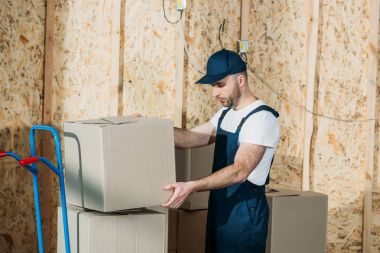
(261, 128)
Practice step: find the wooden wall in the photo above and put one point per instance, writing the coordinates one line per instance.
(118, 57)
(21, 83)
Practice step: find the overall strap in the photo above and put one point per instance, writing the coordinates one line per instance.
(258, 109)
(222, 116)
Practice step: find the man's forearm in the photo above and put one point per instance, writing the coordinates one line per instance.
(247, 158)
(181, 137)
(188, 139)
(227, 176)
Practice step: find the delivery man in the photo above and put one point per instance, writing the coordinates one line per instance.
(245, 132)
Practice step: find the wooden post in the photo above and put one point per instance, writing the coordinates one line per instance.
(119, 55)
(179, 80)
(371, 95)
(46, 186)
(311, 62)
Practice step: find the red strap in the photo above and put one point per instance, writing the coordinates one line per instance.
(28, 161)
(3, 154)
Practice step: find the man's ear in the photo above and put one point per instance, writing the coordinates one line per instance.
(241, 80)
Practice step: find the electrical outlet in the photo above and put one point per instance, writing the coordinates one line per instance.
(181, 5)
(242, 46)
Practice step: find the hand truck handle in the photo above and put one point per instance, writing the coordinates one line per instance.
(33, 160)
(56, 141)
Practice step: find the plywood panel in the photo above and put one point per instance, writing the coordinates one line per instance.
(86, 60)
(149, 59)
(21, 78)
(278, 34)
(375, 230)
(340, 147)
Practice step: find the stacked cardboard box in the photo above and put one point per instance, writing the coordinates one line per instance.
(118, 163)
(298, 221)
(113, 164)
(189, 223)
(129, 232)
(192, 164)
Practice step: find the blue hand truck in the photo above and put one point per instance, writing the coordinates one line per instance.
(31, 165)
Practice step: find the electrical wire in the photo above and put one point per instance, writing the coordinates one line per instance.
(171, 22)
(221, 29)
(258, 77)
(184, 39)
(189, 59)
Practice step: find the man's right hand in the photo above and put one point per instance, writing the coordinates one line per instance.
(182, 190)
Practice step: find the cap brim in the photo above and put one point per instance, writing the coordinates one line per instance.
(210, 79)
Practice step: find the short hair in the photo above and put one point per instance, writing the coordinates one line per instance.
(244, 73)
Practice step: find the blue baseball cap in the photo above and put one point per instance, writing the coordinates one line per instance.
(221, 64)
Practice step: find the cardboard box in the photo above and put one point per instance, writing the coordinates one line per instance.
(173, 229)
(191, 231)
(297, 223)
(192, 164)
(172, 218)
(118, 163)
(96, 232)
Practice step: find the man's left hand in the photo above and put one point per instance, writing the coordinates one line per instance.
(181, 191)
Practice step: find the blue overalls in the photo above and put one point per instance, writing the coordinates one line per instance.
(237, 220)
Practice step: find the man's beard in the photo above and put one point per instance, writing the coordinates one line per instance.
(233, 99)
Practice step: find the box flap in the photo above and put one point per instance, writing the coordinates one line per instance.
(278, 192)
(89, 121)
(119, 120)
(106, 120)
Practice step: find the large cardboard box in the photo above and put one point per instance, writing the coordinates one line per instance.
(118, 163)
(191, 231)
(297, 223)
(96, 232)
(192, 164)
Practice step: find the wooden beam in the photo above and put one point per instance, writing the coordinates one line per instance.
(311, 62)
(179, 120)
(119, 54)
(371, 95)
(244, 22)
(46, 186)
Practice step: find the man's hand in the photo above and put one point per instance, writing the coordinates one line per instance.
(181, 191)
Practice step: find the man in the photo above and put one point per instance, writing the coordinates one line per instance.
(246, 133)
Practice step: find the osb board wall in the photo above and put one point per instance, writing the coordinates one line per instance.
(86, 43)
(375, 229)
(149, 58)
(340, 148)
(21, 83)
(203, 19)
(278, 36)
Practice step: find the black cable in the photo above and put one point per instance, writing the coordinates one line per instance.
(221, 29)
(171, 22)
